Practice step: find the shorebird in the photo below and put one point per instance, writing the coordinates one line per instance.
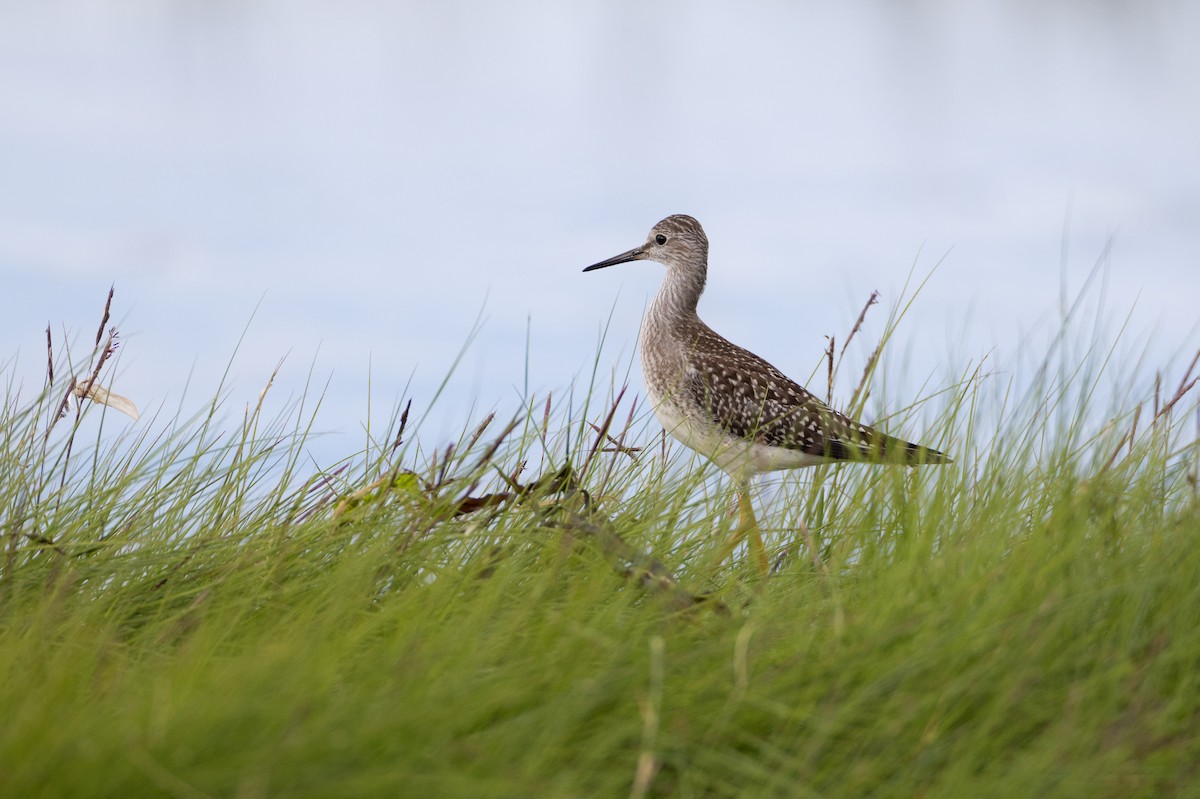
(725, 402)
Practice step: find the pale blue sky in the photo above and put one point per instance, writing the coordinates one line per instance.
(378, 172)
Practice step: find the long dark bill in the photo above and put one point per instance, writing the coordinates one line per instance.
(636, 254)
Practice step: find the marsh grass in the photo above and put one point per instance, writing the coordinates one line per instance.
(188, 609)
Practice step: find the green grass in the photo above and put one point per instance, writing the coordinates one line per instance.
(185, 612)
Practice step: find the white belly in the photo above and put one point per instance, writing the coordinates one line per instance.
(737, 457)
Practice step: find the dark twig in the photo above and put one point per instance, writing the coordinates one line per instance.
(1116, 453)
(1157, 392)
(1159, 412)
(617, 445)
(403, 423)
(63, 406)
(446, 458)
(491, 450)
(104, 319)
(874, 298)
(1188, 373)
(479, 431)
(829, 370)
(320, 482)
(495, 445)
(49, 358)
(633, 406)
(1137, 412)
(603, 430)
(546, 418)
(859, 396)
(42, 540)
(1183, 389)
(110, 347)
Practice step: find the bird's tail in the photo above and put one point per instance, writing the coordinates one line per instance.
(896, 450)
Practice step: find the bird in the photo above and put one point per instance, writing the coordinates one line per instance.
(725, 402)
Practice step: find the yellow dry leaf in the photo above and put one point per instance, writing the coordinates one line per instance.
(104, 397)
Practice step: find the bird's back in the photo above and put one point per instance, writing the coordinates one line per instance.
(730, 389)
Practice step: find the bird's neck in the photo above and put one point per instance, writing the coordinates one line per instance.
(677, 298)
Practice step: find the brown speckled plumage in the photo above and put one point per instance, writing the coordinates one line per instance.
(725, 401)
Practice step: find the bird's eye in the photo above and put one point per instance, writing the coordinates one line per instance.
(661, 239)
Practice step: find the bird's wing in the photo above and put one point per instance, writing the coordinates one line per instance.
(751, 399)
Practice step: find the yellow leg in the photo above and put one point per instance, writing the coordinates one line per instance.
(750, 530)
(747, 528)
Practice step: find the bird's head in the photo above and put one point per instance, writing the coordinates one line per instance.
(677, 242)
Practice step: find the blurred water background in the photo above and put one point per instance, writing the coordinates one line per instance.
(362, 181)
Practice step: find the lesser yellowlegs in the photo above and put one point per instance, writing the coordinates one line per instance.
(725, 402)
